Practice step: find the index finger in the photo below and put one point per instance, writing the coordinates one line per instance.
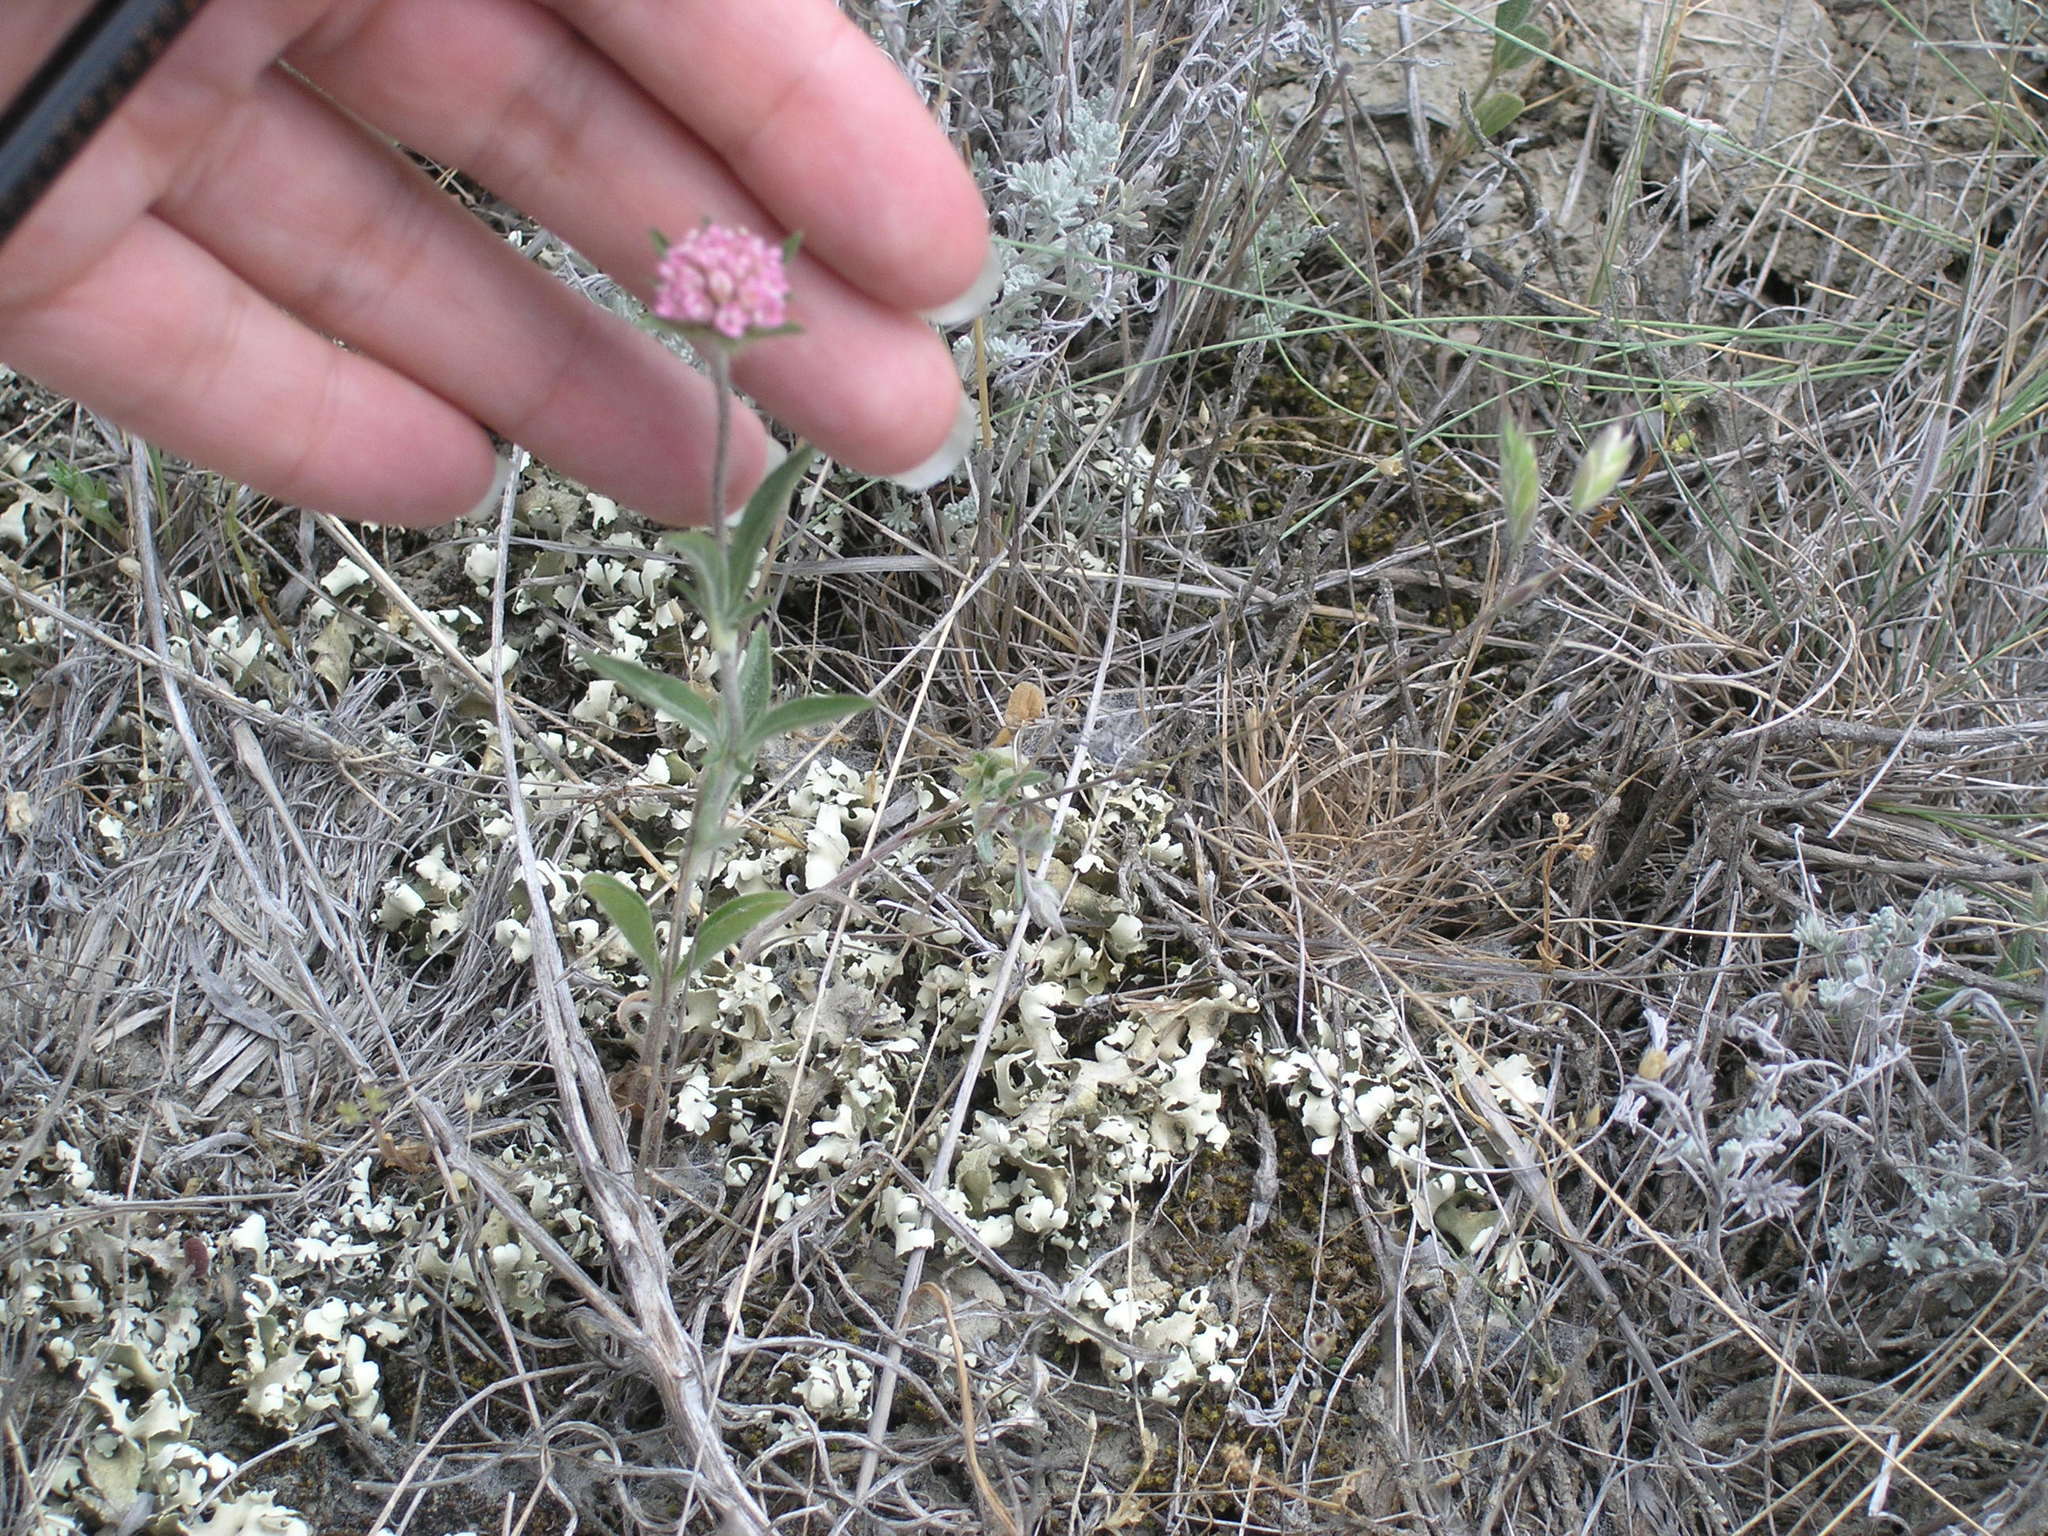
(820, 125)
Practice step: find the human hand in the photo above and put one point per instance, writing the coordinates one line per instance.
(185, 275)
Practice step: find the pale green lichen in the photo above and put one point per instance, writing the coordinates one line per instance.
(1093, 1096)
(835, 1387)
(1185, 1327)
(1369, 1075)
(306, 1318)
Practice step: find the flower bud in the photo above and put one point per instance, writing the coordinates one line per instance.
(1600, 471)
(1518, 485)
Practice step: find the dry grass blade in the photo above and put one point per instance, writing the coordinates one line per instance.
(597, 1136)
(993, 1504)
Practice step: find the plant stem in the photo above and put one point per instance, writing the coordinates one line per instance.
(718, 363)
(718, 781)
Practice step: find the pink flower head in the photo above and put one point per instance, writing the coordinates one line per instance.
(722, 279)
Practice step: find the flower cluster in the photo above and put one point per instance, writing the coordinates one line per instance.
(721, 279)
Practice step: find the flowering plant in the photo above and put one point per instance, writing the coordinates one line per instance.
(729, 281)
(722, 289)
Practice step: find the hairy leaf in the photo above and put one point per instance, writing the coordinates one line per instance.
(749, 536)
(716, 593)
(802, 714)
(733, 921)
(659, 691)
(1497, 111)
(1522, 43)
(757, 676)
(629, 914)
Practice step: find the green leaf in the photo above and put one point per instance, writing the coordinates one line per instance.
(749, 612)
(732, 922)
(1510, 14)
(757, 677)
(688, 593)
(1497, 111)
(1522, 43)
(83, 489)
(701, 552)
(805, 713)
(749, 536)
(658, 691)
(629, 914)
(88, 496)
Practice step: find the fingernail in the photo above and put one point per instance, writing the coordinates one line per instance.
(494, 498)
(976, 300)
(950, 455)
(773, 455)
